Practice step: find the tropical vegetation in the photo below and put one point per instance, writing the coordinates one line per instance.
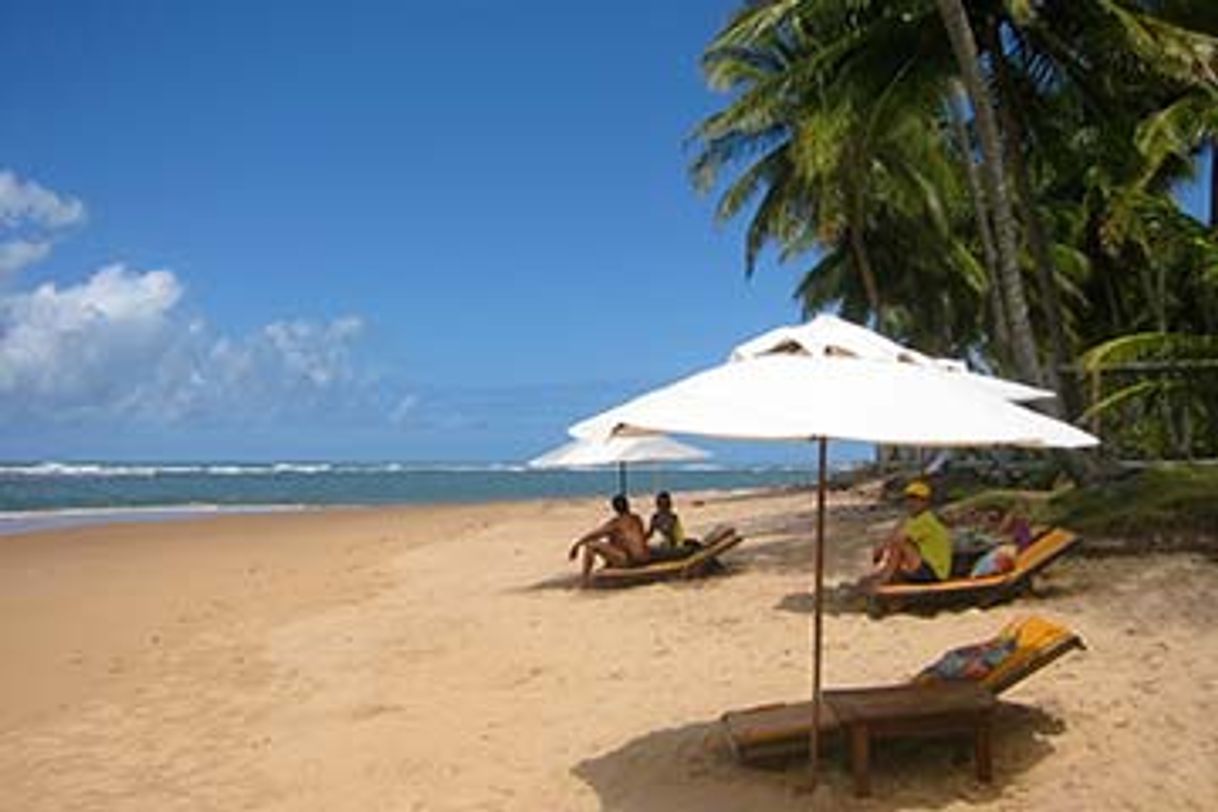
(996, 180)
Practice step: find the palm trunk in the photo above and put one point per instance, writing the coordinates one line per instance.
(1038, 244)
(998, 313)
(955, 20)
(1214, 183)
(858, 250)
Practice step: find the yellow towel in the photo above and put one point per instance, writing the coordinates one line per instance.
(1033, 635)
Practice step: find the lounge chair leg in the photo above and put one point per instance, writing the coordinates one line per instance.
(860, 759)
(982, 751)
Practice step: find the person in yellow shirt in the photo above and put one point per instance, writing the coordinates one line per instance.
(920, 548)
(674, 544)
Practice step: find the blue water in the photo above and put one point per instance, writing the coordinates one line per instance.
(41, 495)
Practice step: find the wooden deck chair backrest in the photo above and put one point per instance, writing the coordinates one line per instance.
(1038, 642)
(1044, 549)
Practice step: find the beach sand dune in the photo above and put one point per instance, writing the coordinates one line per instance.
(441, 658)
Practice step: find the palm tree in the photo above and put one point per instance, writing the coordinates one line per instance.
(981, 219)
(822, 93)
(964, 45)
(840, 114)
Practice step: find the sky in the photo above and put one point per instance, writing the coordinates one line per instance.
(364, 231)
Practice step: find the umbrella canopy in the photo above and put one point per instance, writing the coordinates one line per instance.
(829, 335)
(609, 449)
(641, 448)
(803, 397)
(833, 395)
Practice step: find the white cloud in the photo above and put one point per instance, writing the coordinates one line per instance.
(16, 254)
(28, 203)
(116, 348)
(61, 348)
(31, 217)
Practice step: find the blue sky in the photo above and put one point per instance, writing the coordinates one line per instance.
(369, 230)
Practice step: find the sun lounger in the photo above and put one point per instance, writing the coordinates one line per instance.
(782, 730)
(986, 589)
(717, 541)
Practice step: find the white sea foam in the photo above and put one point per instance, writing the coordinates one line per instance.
(52, 469)
(23, 521)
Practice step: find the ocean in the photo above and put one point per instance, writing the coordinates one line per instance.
(53, 494)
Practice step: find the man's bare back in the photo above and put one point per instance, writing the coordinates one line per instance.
(626, 532)
(619, 542)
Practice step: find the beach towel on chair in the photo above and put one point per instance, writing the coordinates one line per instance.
(1012, 648)
(971, 662)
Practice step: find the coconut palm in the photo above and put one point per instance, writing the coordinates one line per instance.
(840, 116)
(822, 94)
(964, 45)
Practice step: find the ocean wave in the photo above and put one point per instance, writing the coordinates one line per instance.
(103, 470)
(21, 521)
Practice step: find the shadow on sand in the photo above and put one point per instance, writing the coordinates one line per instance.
(690, 768)
(846, 598)
(571, 582)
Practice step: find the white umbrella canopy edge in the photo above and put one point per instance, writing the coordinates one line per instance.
(593, 452)
(828, 334)
(816, 398)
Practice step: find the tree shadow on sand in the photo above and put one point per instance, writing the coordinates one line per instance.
(690, 768)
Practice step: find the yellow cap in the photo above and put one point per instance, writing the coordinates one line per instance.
(918, 489)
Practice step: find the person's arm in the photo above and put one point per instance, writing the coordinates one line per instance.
(651, 528)
(599, 533)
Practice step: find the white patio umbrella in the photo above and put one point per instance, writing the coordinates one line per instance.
(830, 335)
(816, 397)
(620, 450)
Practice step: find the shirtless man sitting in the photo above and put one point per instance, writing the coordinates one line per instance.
(620, 542)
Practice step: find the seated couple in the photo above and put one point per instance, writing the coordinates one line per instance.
(622, 541)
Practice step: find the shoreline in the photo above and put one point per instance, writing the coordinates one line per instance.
(21, 522)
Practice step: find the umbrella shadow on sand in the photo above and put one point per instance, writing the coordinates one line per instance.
(847, 598)
(843, 598)
(690, 768)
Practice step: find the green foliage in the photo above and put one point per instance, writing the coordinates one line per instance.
(1157, 393)
(1158, 500)
(835, 144)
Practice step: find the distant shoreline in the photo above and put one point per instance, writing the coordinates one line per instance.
(13, 523)
(56, 495)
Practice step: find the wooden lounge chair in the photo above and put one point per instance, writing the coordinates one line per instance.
(718, 541)
(986, 589)
(769, 732)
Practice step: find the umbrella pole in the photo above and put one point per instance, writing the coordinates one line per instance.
(817, 612)
(621, 478)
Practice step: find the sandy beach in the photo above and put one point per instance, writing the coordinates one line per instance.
(442, 658)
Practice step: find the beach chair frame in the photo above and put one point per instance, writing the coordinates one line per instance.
(780, 731)
(985, 590)
(718, 541)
